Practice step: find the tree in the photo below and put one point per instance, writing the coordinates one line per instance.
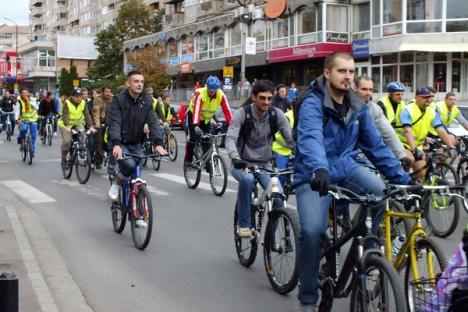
(66, 80)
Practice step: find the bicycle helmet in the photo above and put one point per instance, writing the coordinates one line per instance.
(213, 83)
(395, 86)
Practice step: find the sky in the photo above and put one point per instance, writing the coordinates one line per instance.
(16, 10)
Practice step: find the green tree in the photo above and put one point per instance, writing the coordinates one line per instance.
(65, 84)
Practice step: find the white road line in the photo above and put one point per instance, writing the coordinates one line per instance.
(4, 161)
(28, 192)
(150, 188)
(231, 179)
(43, 294)
(181, 180)
(51, 160)
(87, 189)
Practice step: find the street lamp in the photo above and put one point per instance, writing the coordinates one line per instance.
(16, 53)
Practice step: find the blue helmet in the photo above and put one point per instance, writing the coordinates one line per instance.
(213, 83)
(395, 86)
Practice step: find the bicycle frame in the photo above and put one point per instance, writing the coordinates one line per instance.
(129, 193)
(211, 152)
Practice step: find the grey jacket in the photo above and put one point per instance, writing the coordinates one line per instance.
(388, 133)
(257, 148)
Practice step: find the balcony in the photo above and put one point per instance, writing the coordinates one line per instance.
(37, 11)
(37, 2)
(174, 19)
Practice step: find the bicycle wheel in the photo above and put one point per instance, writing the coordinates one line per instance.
(49, 134)
(448, 173)
(427, 252)
(462, 172)
(24, 149)
(146, 151)
(280, 251)
(218, 176)
(142, 223)
(441, 212)
(119, 214)
(156, 163)
(192, 172)
(382, 284)
(83, 165)
(68, 169)
(172, 148)
(44, 136)
(246, 249)
(8, 132)
(30, 150)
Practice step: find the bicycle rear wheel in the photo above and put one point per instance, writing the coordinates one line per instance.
(430, 263)
(68, 169)
(30, 150)
(280, 251)
(192, 172)
(462, 173)
(172, 147)
(382, 284)
(218, 176)
(24, 149)
(142, 224)
(49, 134)
(8, 132)
(83, 165)
(119, 214)
(246, 249)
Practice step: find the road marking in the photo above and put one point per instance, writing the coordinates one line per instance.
(4, 161)
(51, 160)
(150, 188)
(87, 189)
(43, 294)
(28, 192)
(181, 180)
(231, 179)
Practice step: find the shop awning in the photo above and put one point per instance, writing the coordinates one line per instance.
(431, 47)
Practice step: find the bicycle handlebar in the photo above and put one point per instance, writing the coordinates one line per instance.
(140, 156)
(270, 171)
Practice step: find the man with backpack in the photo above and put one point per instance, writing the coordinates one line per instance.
(248, 142)
(332, 126)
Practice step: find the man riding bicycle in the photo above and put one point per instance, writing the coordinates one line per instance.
(393, 103)
(130, 110)
(165, 111)
(201, 113)
(46, 108)
(26, 117)
(7, 106)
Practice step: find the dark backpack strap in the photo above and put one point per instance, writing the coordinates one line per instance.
(382, 106)
(273, 120)
(246, 127)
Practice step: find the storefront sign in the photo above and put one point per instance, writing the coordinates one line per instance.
(228, 71)
(251, 45)
(187, 58)
(233, 61)
(337, 37)
(186, 68)
(306, 51)
(227, 85)
(360, 48)
(174, 60)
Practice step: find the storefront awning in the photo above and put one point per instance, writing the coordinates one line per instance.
(431, 47)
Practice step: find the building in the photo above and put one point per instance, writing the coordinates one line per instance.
(10, 38)
(417, 42)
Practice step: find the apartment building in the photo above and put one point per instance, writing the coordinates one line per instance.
(9, 63)
(417, 42)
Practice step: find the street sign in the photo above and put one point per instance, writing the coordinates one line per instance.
(227, 83)
(251, 45)
(76, 83)
(228, 71)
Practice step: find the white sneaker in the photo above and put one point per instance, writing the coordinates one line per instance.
(114, 192)
(141, 224)
(244, 232)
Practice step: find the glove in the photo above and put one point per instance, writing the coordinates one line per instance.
(418, 154)
(406, 163)
(452, 152)
(198, 133)
(320, 182)
(239, 163)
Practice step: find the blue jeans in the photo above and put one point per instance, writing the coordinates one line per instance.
(244, 194)
(127, 166)
(3, 118)
(281, 163)
(33, 130)
(313, 215)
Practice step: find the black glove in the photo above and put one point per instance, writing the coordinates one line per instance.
(418, 154)
(406, 163)
(320, 182)
(198, 133)
(239, 163)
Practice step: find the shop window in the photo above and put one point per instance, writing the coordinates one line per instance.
(456, 70)
(235, 43)
(389, 74)
(390, 58)
(421, 56)
(456, 55)
(456, 26)
(307, 26)
(280, 33)
(258, 31)
(376, 79)
(421, 75)
(406, 76)
(440, 77)
(407, 57)
(457, 9)
(311, 72)
(375, 60)
(440, 57)
(218, 43)
(423, 10)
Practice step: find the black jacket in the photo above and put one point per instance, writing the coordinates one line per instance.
(127, 118)
(7, 104)
(283, 104)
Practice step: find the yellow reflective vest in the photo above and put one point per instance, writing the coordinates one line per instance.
(75, 114)
(163, 109)
(392, 116)
(210, 105)
(421, 127)
(279, 145)
(28, 112)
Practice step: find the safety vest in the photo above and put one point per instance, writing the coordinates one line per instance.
(75, 114)
(163, 109)
(420, 128)
(392, 116)
(210, 105)
(279, 145)
(28, 112)
(447, 116)
(155, 102)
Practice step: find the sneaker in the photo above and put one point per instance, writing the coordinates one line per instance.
(114, 192)
(244, 232)
(307, 308)
(55, 133)
(141, 224)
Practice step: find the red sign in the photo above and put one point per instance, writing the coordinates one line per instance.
(186, 68)
(306, 51)
(275, 8)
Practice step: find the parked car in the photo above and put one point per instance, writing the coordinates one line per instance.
(176, 121)
(181, 114)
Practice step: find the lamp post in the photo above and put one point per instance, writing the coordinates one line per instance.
(16, 53)
(246, 19)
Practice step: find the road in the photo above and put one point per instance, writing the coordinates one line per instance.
(189, 265)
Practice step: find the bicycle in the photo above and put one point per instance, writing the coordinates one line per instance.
(134, 202)
(211, 160)
(462, 167)
(366, 275)
(78, 156)
(48, 132)
(415, 251)
(148, 148)
(8, 124)
(280, 233)
(26, 147)
(170, 143)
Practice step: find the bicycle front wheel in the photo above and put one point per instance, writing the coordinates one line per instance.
(68, 168)
(280, 251)
(24, 149)
(83, 165)
(246, 248)
(462, 173)
(430, 263)
(30, 150)
(192, 172)
(172, 148)
(218, 176)
(142, 222)
(49, 134)
(119, 214)
(8, 132)
(378, 288)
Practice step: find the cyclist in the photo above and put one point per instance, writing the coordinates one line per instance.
(46, 108)
(74, 115)
(201, 112)
(100, 112)
(26, 116)
(280, 99)
(248, 141)
(416, 120)
(7, 106)
(393, 103)
(165, 110)
(129, 111)
(281, 151)
(333, 125)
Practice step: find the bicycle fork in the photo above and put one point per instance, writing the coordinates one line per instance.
(134, 195)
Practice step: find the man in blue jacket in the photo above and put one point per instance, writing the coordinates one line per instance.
(333, 126)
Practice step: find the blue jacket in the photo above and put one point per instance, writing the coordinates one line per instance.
(332, 143)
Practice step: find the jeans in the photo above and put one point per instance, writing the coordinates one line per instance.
(12, 121)
(32, 126)
(127, 166)
(281, 163)
(91, 145)
(244, 194)
(313, 215)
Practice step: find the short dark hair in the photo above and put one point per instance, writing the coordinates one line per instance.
(106, 87)
(358, 80)
(84, 90)
(432, 89)
(281, 85)
(133, 73)
(23, 89)
(263, 85)
(49, 93)
(449, 94)
(165, 96)
(330, 59)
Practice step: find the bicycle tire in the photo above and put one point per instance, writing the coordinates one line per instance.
(24, 152)
(8, 132)
(425, 248)
(119, 214)
(44, 137)
(390, 299)
(441, 213)
(172, 148)
(193, 168)
(156, 163)
(462, 173)
(142, 241)
(246, 249)
(49, 135)
(218, 164)
(285, 247)
(83, 163)
(69, 166)
(447, 172)
(30, 151)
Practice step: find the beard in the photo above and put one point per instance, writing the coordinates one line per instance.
(338, 88)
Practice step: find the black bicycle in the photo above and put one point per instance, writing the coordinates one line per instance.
(26, 147)
(7, 123)
(47, 132)
(79, 157)
(170, 143)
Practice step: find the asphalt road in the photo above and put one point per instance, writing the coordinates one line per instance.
(189, 265)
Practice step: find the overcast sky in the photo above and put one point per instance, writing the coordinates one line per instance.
(16, 10)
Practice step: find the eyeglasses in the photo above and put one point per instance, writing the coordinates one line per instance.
(264, 98)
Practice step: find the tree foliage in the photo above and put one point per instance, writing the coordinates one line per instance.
(66, 80)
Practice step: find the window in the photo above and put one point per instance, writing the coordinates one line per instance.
(457, 9)
(361, 17)
(376, 78)
(188, 3)
(337, 18)
(392, 15)
(172, 47)
(258, 31)
(456, 70)
(203, 46)
(218, 43)
(280, 33)
(389, 74)
(440, 77)
(235, 44)
(424, 10)
(307, 26)
(406, 76)
(376, 19)
(421, 75)
(454, 26)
